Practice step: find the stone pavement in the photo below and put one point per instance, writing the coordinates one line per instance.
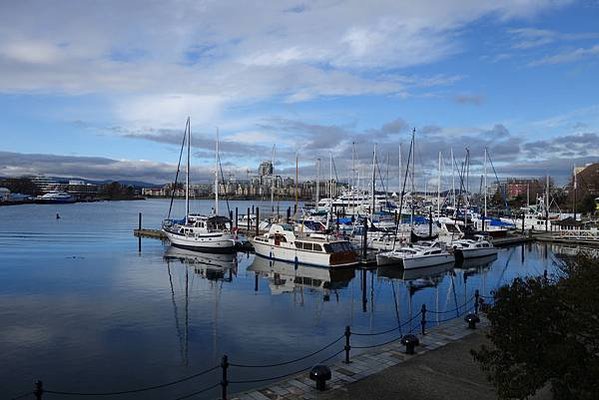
(377, 373)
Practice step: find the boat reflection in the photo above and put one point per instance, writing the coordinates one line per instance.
(419, 278)
(286, 277)
(475, 266)
(208, 265)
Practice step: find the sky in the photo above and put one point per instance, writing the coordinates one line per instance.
(102, 90)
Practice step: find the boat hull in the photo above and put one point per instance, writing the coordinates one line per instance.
(317, 259)
(464, 254)
(221, 243)
(410, 262)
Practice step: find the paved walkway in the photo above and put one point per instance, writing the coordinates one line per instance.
(387, 372)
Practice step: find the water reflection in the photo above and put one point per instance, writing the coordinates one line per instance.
(285, 277)
(210, 266)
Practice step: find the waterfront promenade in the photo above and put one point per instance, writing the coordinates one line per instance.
(442, 368)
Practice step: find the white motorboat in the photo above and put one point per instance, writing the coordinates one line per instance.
(415, 256)
(281, 243)
(56, 197)
(199, 232)
(469, 248)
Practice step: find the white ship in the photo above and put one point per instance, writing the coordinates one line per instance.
(468, 248)
(281, 243)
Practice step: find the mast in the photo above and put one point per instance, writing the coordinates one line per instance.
(353, 164)
(216, 177)
(272, 180)
(413, 177)
(296, 179)
(399, 173)
(575, 187)
(485, 172)
(317, 181)
(330, 174)
(373, 180)
(187, 168)
(452, 177)
(439, 189)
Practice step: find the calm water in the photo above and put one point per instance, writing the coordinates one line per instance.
(82, 310)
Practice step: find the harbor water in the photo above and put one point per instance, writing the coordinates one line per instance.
(84, 311)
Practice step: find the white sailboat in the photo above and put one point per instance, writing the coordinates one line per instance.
(196, 231)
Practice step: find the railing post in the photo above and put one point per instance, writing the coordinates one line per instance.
(39, 390)
(224, 382)
(347, 347)
(423, 321)
(476, 300)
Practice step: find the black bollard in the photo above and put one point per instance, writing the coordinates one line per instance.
(347, 347)
(410, 341)
(320, 374)
(39, 390)
(423, 321)
(224, 383)
(476, 300)
(472, 320)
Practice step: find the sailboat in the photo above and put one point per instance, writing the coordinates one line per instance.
(196, 231)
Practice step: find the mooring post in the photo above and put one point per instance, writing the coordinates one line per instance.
(278, 214)
(523, 216)
(252, 208)
(294, 209)
(139, 235)
(224, 383)
(257, 220)
(347, 347)
(365, 241)
(248, 215)
(476, 300)
(39, 390)
(236, 217)
(423, 321)
(288, 214)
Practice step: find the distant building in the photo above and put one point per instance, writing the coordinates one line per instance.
(587, 180)
(45, 184)
(523, 188)
(265, 168)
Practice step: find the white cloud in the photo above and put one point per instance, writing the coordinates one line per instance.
(569, 56)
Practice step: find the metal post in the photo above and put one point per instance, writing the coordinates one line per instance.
(257, 220)
(236, 217)
(476, 299)
(365, 242)
(423, 322)
(139, 235)
(347, 347)
(288, 214)
(39, 390)
(231, 216)
(224, 383)
(523, 217)
(249, 219)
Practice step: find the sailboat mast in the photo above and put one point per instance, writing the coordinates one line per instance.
(399, 171)
(373, 180)
(317, 181)
(187, 168)
(452, 177)
(296, 180)
(216, 176)
(330, 174)
(485, 172)
(439, 189)
(413, 177)
(272, 181)
(353, 164)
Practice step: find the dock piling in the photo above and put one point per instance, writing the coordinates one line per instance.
(257, 220)
(347, 347)
(39, 390)
(224, 382)
(423, 321)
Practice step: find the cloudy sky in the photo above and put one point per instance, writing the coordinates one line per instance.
(102, 89)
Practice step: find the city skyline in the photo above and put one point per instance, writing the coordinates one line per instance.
(102, 91)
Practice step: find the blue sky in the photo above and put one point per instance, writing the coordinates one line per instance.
(102, 90)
